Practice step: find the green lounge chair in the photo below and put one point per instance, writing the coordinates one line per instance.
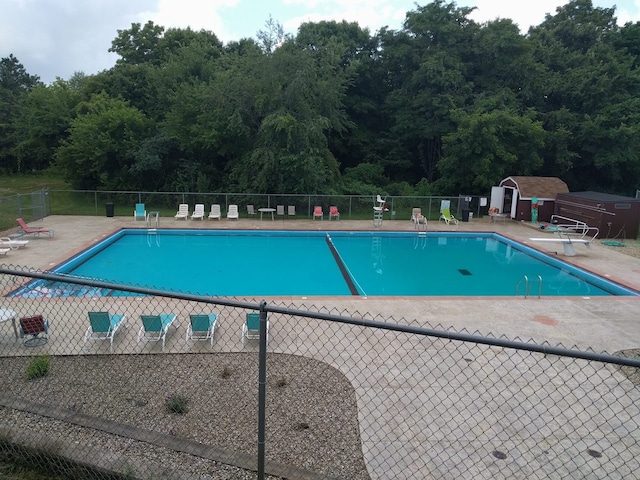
(251, 328)
(140, 213)
(202, 327)
(447, 217)
(155, 327)
(103, 326)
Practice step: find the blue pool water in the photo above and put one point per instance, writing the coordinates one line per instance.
(278, 263)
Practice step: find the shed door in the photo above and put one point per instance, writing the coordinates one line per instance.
(514, 203)
(497, 198)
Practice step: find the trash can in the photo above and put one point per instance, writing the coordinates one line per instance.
(109, 208)
(465, 214)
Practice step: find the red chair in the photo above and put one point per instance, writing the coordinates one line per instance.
(27, 230)
(334, 213)
(33, 327)
(317, 212)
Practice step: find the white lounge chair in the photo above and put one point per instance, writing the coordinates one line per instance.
(183, 211)
(250, 210)
(280, 210)
(232, 213)
(155, 327)
(12, 244)
(215, 212)
(291, 210)
(202, 327)
(198, 212)
(103, 326)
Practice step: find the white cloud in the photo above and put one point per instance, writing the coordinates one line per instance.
(196, 14)
(523, 14)
(372, 14)
(54, 38)
(627, 14)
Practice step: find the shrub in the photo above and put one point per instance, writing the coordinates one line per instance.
(38, 367)
(177, 404)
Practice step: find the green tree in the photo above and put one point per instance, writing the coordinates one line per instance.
(428, 63)
(271, 38)
(15, 84)
(104, 147)
(138, 44)
(299, 103)
(488, 145)
(215, 123)
(590, 99)
(365, 92)
(43, 121)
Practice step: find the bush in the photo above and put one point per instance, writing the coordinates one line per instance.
(177, 404)
(38, 367)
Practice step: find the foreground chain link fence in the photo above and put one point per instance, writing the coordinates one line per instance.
(335, 394)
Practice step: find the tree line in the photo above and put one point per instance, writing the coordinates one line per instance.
(444, 105)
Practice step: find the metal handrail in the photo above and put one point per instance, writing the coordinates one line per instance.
(526, 285)
(576, 227)
(539, 277)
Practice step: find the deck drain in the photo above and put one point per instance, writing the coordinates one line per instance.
(499, 454)
(464, 271)
(594, 453)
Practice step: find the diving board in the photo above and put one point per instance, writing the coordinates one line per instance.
(567, 243)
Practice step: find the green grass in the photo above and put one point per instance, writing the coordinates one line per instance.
(22, 183)
(64, 201)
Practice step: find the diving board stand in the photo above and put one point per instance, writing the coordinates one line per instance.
(570, 232)
(567, 243)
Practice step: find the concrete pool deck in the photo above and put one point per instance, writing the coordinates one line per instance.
(602, 323)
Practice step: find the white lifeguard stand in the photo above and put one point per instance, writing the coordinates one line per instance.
(378, 210)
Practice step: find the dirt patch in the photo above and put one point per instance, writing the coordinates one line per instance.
(545, 320)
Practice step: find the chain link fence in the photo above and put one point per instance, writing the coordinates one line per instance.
(326, 394)
(122, 203)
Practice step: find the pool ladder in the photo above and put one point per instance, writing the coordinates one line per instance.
(153, 217)
(529, 285)
(152, 230)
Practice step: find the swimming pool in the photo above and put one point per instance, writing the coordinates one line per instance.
(338, 263)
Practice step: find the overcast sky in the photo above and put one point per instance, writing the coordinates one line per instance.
(55, 38)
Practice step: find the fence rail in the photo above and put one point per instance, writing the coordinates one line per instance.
(319, 394)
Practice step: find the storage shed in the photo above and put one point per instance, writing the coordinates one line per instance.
(514, 197)
(615, 216)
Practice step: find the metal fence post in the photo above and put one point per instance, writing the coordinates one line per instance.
(262, 389)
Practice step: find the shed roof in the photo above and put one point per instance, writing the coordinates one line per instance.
(541, 187)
